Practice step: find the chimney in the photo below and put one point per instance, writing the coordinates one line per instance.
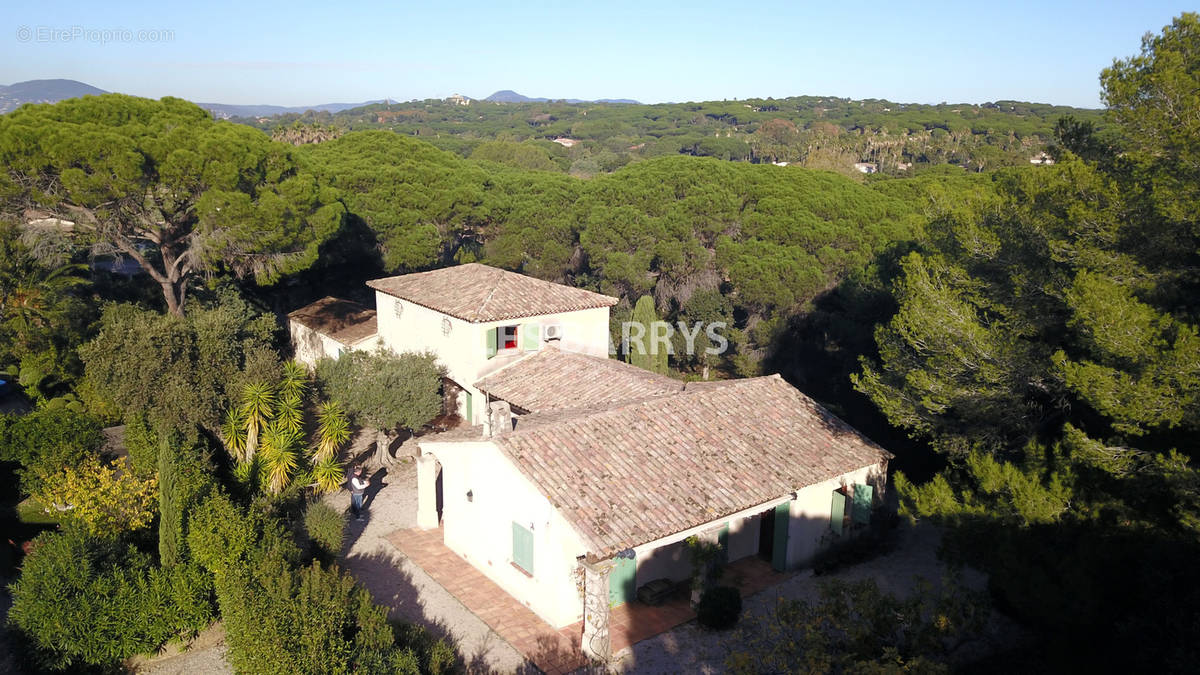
(500, 418)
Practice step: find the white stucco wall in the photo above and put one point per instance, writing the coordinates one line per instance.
(808, 523)
(809, 514)
(309, 346)
(480, 530)
(464, 350)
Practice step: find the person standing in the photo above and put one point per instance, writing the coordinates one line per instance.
(358, 488)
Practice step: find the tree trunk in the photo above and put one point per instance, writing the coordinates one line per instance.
(382, 441)
(174, 300)
(251, 442)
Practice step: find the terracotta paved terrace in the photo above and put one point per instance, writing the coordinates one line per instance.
(557, 651)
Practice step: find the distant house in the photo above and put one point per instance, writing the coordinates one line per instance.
(903, 166)
(866, 167)
(330, 327)
(567, 142)
(1041, 158)
(458, 99)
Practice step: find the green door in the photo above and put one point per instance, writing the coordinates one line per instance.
(779, 548)
(837, 512)
(622, 582)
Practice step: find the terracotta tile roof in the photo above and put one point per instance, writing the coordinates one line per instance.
(478, 293)
(553, 379)
(636, 472)
(343, 320)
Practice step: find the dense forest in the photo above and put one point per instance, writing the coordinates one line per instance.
(827, 133)
(1024, 338)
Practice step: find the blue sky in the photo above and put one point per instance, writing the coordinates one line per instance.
(301, 53)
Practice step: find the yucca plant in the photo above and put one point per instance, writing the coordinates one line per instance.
(233, 432)
(289, 413)
(279, 456)
(328, 475)
(258, 401)
(333, 430)
(295, 379)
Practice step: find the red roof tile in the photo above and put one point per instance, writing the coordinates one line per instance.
(553, 379)
(477, 293)
(635, 472)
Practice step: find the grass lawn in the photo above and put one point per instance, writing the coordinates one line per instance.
(31, 512)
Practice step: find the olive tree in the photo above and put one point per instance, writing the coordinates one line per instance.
(384, 391)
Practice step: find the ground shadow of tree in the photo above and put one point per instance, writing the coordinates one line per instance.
(392, 587)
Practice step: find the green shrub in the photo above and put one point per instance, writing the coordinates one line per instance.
(141, 444)
(185, 478)
(280, 619)
(719, 607)
(315, 620)
(85, 601)
(46, 440)
(326, 527)
(221, 535)
(192, 596)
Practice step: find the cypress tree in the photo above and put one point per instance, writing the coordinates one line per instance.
(647, 355)
(170, 509)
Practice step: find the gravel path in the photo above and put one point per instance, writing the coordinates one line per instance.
(204, 655)
(397, 583)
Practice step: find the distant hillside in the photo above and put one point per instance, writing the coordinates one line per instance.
(226, 110)
(510, 96)
(14, 96)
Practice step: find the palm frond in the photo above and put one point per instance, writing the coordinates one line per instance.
(328, 475)
(333, 430)
(279, 454)
(290, 412)
(295, 379)
(233, 433)
(257, 401)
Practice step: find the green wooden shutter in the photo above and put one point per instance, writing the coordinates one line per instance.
(779, 548)
(861, 511)
(622, 582)
(470, 417)
(522, 553)
(531, 336)
(723, 542)
(490, 339)
(838, 513)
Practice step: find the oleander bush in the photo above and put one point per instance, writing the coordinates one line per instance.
(284, 617)
(84, 601)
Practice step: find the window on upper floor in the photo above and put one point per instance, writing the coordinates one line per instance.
(503, 338)
(508, 337)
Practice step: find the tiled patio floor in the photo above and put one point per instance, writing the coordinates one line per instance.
(550, 650)
(557, 651)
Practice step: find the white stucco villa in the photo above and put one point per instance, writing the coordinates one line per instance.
(577, 477)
